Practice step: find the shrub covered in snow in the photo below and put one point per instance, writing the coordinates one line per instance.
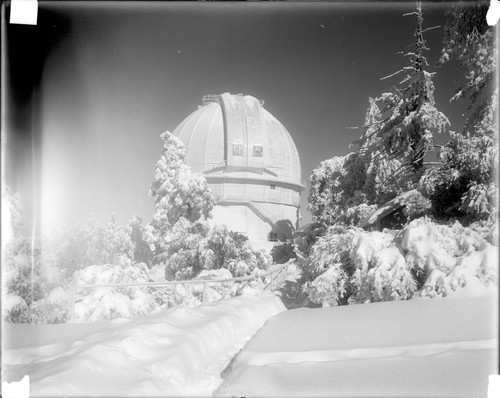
(430, 246)
(472, 273)
(52, 309)
(488, 230)
(92, 243)
(317, 251)
(330, 287)
(416, 205)
(44, 311)
(360, 267)
(425, 259)
(110, 302)
(282, 252)
(132, 301)
(223, 248)
(175, 295)
(327, 269)
(21, 266)
(194, 247)
(15, 309)
(387, 277)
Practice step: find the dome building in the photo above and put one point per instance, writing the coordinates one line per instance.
(251, 165)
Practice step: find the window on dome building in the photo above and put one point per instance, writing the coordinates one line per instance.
(258, 151)
(273, 237)
(238, 149)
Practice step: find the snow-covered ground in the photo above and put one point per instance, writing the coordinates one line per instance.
(179, 352)
(422, 347)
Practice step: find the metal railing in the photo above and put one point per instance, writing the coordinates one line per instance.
(274, 277)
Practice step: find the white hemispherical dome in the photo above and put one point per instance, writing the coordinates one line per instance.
(234, 134)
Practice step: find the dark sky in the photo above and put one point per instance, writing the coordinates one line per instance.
(93, 85)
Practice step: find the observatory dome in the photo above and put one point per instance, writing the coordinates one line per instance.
(249, 160)
(231, 130)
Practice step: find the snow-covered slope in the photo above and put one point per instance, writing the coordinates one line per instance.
(180, 352)
(422, 347)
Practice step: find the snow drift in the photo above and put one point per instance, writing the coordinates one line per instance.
(440, 347)
(180, 352)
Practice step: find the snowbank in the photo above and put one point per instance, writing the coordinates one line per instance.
(407, 348)
(177, 353)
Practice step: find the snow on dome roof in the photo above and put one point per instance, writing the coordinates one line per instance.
(236, 133)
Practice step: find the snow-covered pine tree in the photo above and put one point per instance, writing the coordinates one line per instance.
(142, 251)
(325, 191)
(399, 131)
(464, 185)
(336, 195)
(178, 193)
(400, 126)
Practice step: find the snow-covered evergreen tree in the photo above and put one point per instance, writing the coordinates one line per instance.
(469, 40)
(464, 185)
(181, 249)
(109, 243)
(142, 251)
(93, 243)
(194, 247)
(400, 126)
(336, 191)
(399, 130)
(328, 269)
(346, 265)
(325, 187)
(178, 194)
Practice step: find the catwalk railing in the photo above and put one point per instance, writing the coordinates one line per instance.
(273, 279)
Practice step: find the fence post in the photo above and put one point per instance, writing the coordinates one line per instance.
(203, 298)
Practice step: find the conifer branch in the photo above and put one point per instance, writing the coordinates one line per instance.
(431, 28)
(391, 75)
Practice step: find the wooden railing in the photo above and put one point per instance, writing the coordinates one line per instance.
(274, 277)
